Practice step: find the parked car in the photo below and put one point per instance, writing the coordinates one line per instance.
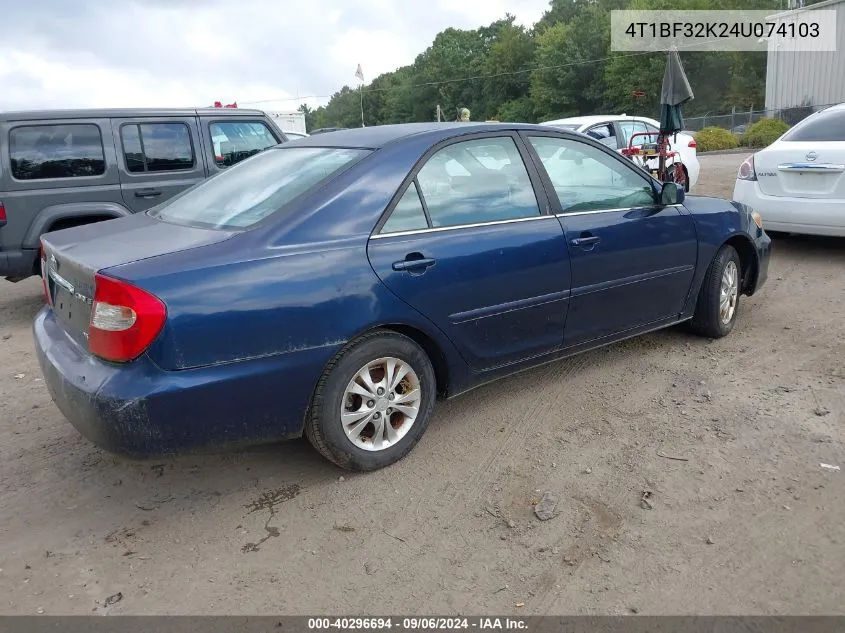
(798, 182)
(336, 285)
(64, 168)
(615, 132)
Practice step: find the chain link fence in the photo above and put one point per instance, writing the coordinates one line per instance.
(738, 120)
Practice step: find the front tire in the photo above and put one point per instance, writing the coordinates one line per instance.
(373, 402)
(718, 300)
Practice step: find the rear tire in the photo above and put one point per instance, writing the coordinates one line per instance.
(718, 300)
(364, 428)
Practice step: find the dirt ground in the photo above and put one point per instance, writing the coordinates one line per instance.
(725, 438)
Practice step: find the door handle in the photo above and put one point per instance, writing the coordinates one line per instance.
(147, 193)
(586, 240)
(410, 264)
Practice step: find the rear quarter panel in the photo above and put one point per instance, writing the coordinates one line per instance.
(223, 309)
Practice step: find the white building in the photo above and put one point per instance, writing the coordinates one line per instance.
(801, 78)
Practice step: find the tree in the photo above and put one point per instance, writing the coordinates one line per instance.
(561, 67)
(310, 117)
(508, 62)
(571, 60)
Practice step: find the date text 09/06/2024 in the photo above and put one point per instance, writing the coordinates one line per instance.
(417, 623)
(722, 30)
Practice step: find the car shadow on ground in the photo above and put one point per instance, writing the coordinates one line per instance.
(187, 481)
(809, 246)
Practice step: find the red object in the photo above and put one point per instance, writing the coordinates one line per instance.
(692, 143)
(637, 94)
(124, 319)
(2, 215)
(44, 275)
(218, 104)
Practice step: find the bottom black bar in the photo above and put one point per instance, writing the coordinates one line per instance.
(535, 624)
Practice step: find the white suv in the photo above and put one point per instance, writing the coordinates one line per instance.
(616, 131)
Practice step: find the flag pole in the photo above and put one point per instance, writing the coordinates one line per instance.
(359, 75)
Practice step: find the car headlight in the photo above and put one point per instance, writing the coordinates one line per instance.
(758, 219)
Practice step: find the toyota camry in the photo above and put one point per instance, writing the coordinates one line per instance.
(336, 286)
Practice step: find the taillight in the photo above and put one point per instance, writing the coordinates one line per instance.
(124, 320)
(746, 170)
(692, 143)
(44, 274)
(2, 215)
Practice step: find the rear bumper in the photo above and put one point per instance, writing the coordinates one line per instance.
(139, 410)
(810, 216)
(18, 263)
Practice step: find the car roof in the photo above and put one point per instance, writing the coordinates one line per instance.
(106, 113)
(597, 118)
(381, 135)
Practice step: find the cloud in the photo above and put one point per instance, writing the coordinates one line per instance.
(136, 53)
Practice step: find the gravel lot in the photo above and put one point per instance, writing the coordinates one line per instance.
(725, 438)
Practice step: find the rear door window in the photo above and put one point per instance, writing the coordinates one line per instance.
(40, 152)
(157, 147)
(477, 181)
(234, 141)
(408, 215)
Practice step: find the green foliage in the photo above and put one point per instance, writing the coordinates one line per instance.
(764, 132)
(561, 67)
(711, 139)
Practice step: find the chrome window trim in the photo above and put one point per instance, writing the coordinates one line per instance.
(563, 214)
(438, 229)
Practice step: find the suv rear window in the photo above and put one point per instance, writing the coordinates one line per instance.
(157, 147)
(56, 151)
(234, 141)
(828, 125)
(252, 190)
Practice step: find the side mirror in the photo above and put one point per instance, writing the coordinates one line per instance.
(671, 193)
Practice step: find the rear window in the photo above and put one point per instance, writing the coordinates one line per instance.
(828, 125)
(39, 152)
(250, 191)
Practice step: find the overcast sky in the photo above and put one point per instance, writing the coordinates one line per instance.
(134, 53)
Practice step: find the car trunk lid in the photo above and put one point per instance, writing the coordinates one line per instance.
(72, 257)
(802, 170)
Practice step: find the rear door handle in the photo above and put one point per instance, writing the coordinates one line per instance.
(587, 240)
(413, 264)
(147, 193)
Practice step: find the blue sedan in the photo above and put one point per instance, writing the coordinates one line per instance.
(337, 285)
